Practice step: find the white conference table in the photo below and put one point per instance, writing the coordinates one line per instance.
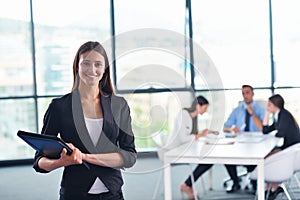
(219, 152)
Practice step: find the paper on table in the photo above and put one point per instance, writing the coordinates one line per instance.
(220, 141)
(250, 139)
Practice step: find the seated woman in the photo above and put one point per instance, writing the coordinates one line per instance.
(286, 127)
(186, 126)
(186, 130)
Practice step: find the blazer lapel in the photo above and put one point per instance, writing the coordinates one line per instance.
(105, 144)
(80, 123)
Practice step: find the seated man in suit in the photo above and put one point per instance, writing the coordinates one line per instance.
(246, 117)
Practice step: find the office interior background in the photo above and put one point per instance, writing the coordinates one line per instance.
(254, 42)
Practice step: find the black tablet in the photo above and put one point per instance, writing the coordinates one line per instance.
(48, 145)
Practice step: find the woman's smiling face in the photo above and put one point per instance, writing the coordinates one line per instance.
(91, 68)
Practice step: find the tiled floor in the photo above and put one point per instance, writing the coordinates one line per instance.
(18, 183)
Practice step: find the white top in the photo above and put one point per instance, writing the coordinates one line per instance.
(182, 130)
(276, 116)
(94, 127)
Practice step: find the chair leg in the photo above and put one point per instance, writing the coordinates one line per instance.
(193, 183)
(297, 180)
(203, 185)
(256, 195)
(210, 179)
(286, 192)
(157, 185)
(269, 188)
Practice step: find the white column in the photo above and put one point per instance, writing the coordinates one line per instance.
(261, 180)
(167, 181)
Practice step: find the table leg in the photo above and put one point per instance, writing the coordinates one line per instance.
(167, 181)
(260, 180)
(210, 179)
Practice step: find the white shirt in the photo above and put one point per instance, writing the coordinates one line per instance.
(94, 127)
(276, 116)
(182, 130)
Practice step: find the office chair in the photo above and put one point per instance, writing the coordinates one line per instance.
(242, 174)
(279, 168)
(297, 165)
(161, 150)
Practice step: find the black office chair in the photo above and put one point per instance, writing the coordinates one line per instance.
(243, 173)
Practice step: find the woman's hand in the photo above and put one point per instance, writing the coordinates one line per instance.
(75, 158)
(266, 118)
(202, 134)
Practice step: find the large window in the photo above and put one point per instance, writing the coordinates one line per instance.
(151, 49)
(135, 14)
(286, 34)
(16, 114)
(58, 38)
(235, 35)
(58, 31)
(155, 112)
(16, 74)
(150, 52)
(292, 101)
(16, 77)
(150, 44)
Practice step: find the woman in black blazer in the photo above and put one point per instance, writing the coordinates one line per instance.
(96, 124)
(284, 122)
(286, 127)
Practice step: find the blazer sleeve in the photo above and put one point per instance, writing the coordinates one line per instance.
(268, 129)
(284, 124)
(185, 132)
(50, 127)
(126, 137)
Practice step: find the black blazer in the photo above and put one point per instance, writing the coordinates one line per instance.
(64, 116)
(286, 127)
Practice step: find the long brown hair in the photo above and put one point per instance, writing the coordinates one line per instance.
(201, 100)
(277, 100)
(105, 84)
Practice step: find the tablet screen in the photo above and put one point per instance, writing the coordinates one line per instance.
(49, 146)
